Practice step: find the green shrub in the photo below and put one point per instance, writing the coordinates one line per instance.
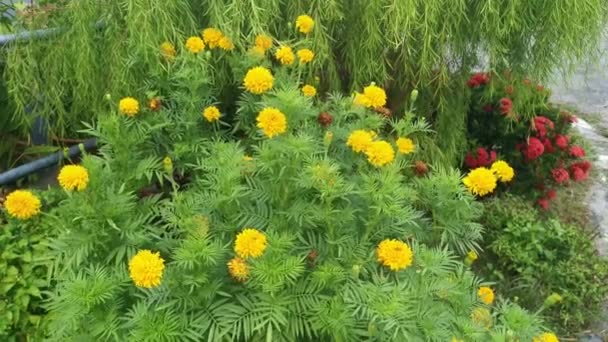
(512, 119)
(24, 276)
(531, 258)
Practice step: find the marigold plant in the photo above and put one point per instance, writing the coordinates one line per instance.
(192, 231)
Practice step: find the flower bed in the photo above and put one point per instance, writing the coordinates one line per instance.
(323, 221)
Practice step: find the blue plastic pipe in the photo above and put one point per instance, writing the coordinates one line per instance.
(42, 33)
(19, 172)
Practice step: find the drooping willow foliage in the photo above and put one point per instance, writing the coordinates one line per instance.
(428, 44)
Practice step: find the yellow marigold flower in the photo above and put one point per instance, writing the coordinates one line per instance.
(454, 339)
(483, 317)
(146, 268)
(305, 55)
(486, 295)
(480, 181)
(212, 37)
(503, 171)
(361, 100)
(394, 254)
(309, 91)
(405, 145)
(380, 153)
(238, 269)
(360, 140)
(211, 113)
(73, 177)
(22, 204)
(168, 165)
(263, 42)
(258, 80)
(272, 122)
(195, 44)
(167, 50)
(285, 55)
(226, 44)
(305, 23)
(375, 95)
(248, 158)
(128, 106)
(250, 243)
(546, 337)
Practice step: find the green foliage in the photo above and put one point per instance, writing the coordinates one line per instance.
(24, 276)
(431, 45)
(531, 258)
(322, 207)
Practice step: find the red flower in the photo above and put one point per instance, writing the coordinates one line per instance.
(560, 175)
(577, 151)
(488, 108)
(578, 174)
(483, 158)
(541, 124)
(548, 146)
(562, 141)
(543, 203)
(509, 90)
(478, 79)
(584, 165)
(534, 149)
(506, 105)
(580, 170)
(527, 82)
(540, 87)
(551, 194)
(470, 161)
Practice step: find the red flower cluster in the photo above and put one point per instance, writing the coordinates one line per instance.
(577, 151)
(560, 175)
(562, 141)
(533, 149)
(478, 79)
(541, 124)
(483, 158)
(580, 171)
(548, 145)
(506, 105)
